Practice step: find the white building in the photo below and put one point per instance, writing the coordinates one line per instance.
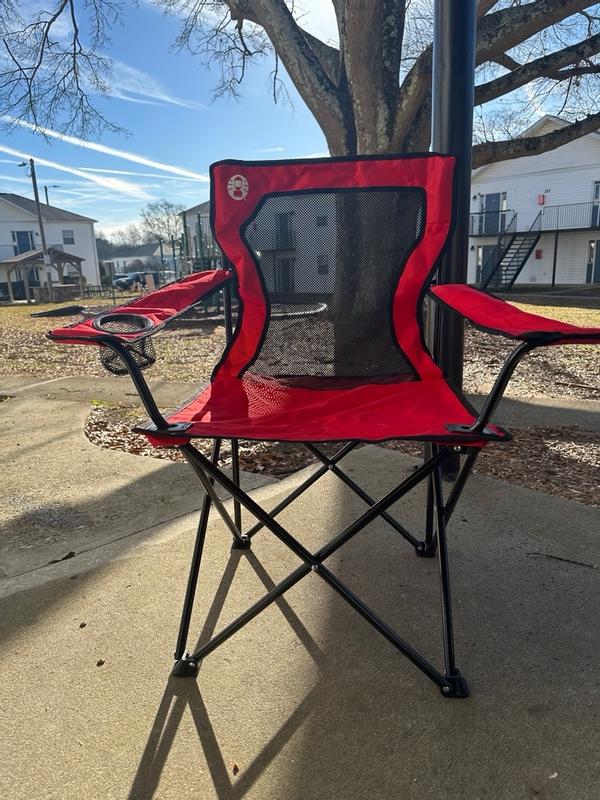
(64, 230)
(137, 257)
(541, 213)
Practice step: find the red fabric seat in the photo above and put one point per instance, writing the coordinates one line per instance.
(273, 409)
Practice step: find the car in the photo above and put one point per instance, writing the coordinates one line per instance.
(126, 281)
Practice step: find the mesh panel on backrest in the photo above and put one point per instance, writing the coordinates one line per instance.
(330, 261)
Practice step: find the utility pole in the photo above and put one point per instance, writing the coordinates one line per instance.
(453, 78)
(52, 186)
(46, 255)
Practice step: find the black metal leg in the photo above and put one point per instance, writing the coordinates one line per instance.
(235, 471)
(456, 686)
(190, 592)
(450, 682)
(427, 548)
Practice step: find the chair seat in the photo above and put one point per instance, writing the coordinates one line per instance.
(277, 409)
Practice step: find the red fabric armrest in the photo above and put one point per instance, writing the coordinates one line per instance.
(155, 309)
(497, 316)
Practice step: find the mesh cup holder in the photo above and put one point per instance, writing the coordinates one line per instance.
(142, 350)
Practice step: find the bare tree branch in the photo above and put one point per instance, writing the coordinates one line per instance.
(317, 89)
(501, 30)
(546, 66)
(489, 152)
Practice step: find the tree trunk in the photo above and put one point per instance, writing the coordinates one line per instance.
(375, 232)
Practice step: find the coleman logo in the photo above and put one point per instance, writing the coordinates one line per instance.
(237, 187)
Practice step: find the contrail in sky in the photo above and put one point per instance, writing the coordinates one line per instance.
(110, 151)
(115, 184)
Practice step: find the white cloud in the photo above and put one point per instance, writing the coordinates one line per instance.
(115, 184)
(269, 150)
(110, 151)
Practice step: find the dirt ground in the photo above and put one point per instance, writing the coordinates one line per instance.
(538, 457)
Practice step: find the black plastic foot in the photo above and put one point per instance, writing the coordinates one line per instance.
(242, 544)
(185, 668)
(457, 686)
(426, 549)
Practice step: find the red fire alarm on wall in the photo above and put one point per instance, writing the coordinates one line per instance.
(541, 199)
(539, 254)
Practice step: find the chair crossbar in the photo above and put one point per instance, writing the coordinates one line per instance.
(451, 684)
(373, 619)
(358, 490)
(312, 478)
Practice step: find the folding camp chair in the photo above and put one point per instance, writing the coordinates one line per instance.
(330, 262)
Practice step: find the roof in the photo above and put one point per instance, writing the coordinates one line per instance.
(49, 213)
(137, 251)
(202, 209)
(36, 255)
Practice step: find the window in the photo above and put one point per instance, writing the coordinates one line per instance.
(22, 241)
(596, 190)
(323, 264)
(68, 237)
(322, 221)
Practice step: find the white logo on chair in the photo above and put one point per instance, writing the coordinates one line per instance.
(237, 187)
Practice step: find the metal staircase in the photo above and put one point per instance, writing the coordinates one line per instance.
(505, 262)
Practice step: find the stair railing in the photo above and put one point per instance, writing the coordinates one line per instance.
(505, 239)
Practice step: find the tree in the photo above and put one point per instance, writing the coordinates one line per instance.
(369, 94)
(161, 219)
(130, 236)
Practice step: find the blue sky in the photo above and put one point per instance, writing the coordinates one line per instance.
(165, 101)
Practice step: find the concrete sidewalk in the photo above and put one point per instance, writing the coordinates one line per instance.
(306, 701)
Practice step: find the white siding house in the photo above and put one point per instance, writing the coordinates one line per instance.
(558, 193)
(66, 231)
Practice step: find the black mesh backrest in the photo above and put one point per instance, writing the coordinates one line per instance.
(330, 261)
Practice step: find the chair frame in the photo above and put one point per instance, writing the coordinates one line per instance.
(439, 510)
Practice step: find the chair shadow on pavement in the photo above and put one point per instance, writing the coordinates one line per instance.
(184, 693)
(370, 725)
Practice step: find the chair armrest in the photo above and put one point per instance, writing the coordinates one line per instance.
(146, 315)
(497, 316)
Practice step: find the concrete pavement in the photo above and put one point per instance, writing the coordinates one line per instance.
(307, 701)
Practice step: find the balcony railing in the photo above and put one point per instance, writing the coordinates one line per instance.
(491, 223)
(6, 251)
(575, 216)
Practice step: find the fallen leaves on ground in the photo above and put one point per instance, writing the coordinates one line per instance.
(561, 460)
(556, 460)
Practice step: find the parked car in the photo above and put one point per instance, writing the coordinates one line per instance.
(126, 281)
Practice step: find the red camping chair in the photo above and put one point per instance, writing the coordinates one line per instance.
(331, 260)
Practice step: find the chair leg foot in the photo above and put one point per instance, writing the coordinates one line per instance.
(457, 686)
(245, 543)
(426, 549)
(186, 667)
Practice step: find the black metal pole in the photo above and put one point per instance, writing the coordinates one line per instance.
(555, 258)
(453, 79)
